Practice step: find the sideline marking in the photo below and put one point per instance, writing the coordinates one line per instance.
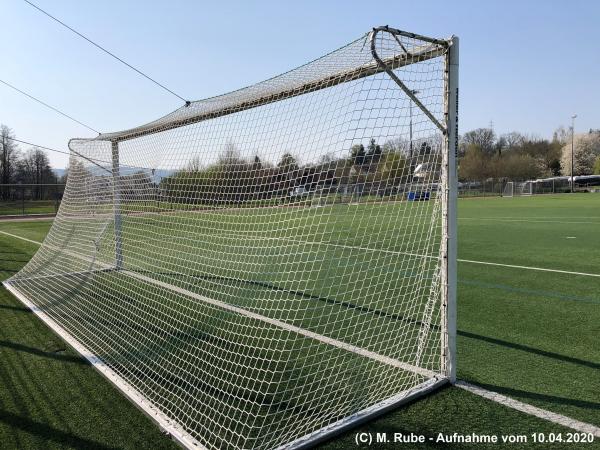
(540, 269)
(540, 220)
(559, 419)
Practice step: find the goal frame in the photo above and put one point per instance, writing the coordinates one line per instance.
(448, 258)
(523, 191)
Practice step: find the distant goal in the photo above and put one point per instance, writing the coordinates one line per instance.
(248, 269)
(512, 189)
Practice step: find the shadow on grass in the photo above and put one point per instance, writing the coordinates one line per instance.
(49, 433)
(16, 308)
(528, 349)
(38, 352)
(518, 393)
(388, 315)
(391, 422)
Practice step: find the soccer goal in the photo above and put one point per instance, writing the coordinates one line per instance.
(525, 188)
(189, 265)
(519, 189)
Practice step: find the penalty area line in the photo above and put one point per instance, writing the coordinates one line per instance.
(526, 408)
(470, 261)
(540, 220)
(539, 269)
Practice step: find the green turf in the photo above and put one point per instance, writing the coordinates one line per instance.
(18, 208)
(527, 334)
(50, 398)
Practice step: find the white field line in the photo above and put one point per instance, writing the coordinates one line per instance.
(540, 269)
(278, 323)
(21, 237)
(167, 424)
(530, 409)
(490, 395)
(540, 220)
(546, 218)
(470, 261)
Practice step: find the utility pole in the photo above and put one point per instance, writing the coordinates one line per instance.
(573, 152)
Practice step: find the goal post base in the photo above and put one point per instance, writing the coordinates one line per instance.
(366, 415)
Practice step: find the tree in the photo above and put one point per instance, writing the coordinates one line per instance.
(392, 168)
(373, 152)
(287, 163)
(517, 166)
(474, 165)
(587, 149)
(546, 155)
(561, 135)
(357, 154)
(509, 141)
(597, 166)
(34, 168)
(194, 165)
(257, 164)
(397, 145)
(484, 138)
(9, 156)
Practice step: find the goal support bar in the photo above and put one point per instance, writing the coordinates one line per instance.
(434, 49)
(116, 176)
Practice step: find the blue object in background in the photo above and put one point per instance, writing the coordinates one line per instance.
(417, 196)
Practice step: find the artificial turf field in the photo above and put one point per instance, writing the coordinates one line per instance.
(528, 334)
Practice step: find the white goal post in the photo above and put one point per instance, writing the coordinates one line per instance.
(266, 268)
(512, 189)
(525, 188)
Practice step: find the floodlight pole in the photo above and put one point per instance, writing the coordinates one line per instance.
(573, 152)
(116, 175)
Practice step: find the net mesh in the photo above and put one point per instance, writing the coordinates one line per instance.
(261, 265)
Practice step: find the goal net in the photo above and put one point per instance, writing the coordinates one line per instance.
(512, 188)
(525, 188)
(247, 269)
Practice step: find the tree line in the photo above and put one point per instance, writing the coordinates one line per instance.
(31, 166)
(376, 168)
(515, 156)
(235, 179)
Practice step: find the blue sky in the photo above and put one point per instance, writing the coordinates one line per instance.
(525, 65)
